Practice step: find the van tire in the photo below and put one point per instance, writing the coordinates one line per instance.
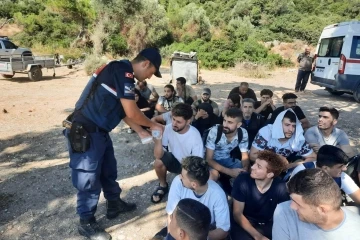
(356, 94)
(334, 92)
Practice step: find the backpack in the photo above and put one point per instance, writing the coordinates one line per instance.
(235, 153)
(352, 167)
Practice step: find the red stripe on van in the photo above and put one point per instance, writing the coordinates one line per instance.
(352, 60)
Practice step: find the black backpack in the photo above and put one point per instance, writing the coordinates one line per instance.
(352, 168)
(235, 153)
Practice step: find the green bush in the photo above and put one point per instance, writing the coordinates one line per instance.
(224, 53)
(117, 45)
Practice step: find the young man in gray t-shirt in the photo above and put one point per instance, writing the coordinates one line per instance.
(314, 211)
(325, 133)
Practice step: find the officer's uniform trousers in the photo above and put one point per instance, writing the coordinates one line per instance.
(92, 171)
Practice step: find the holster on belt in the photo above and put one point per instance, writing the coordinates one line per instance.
(79, 138)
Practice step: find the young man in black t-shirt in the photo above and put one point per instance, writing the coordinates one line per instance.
(265, 107)
(256, 196)
(289, 101)
(252, 121)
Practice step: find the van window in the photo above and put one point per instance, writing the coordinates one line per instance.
(331, 47)
(355, 47)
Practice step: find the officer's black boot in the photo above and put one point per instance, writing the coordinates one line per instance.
(115, 207)
(92, 230)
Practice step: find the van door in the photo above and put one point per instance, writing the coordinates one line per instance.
(328, 58)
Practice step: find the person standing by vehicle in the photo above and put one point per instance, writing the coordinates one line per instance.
(305, 61)
(108, 98)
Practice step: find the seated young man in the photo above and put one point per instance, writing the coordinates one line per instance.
(314, 211)
(166, 102)
(205, 98)
(143, 105)
(266, 106)
(186, 92)
(190, 220)
(333, 160)
(252, 121)
(148, 92)
(326, 132)
(233, 101)
(205, 118)
(194, 183)
(256, 196)
(182, 140)
(289, 102)
(218, 153)
(284, 137)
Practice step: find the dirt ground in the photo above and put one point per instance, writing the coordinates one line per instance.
(37, 200)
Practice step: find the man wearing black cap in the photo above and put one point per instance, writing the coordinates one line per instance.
(108, 98)
(205, 98)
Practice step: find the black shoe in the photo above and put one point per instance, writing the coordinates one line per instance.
(115, 207)
(92, 230)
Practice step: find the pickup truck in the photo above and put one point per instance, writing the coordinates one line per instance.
(7, 49)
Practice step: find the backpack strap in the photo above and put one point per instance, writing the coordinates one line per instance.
(240, 134)
(219, 133)
(309, 165)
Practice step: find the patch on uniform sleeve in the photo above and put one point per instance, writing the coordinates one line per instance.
(129, 90)
(129, 75)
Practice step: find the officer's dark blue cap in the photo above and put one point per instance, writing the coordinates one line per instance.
(153, 55)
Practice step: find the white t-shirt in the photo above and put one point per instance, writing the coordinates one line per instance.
(167, 118)
(347, 184)
(183, 145)
(214, 198)
(288, 226)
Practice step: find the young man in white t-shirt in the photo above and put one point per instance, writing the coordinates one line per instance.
(315, 210)
(190, 220)
(333, 160)
(194, 183)
(180, 140)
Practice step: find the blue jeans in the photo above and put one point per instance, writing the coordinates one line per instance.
(92, 171)
(301, 80)
(229, 163)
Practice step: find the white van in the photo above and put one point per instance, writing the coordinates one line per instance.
(337, 59)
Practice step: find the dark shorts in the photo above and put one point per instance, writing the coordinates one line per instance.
(171, 163)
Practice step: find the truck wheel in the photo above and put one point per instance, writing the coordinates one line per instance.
(8, 76)
(356, 94)
(334, 92)
(35, 74)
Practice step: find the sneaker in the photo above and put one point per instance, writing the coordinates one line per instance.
(92, 230)
(115, 207)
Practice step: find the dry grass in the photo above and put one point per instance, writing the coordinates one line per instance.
(251, 70)
(73, 53)
(291, 50)
(93, 62)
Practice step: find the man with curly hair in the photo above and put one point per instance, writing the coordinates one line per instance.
(256, 196)
(194, 183)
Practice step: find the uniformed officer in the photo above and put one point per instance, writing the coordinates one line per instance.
(107, 99)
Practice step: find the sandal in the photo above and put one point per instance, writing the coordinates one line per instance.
(161, 195)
